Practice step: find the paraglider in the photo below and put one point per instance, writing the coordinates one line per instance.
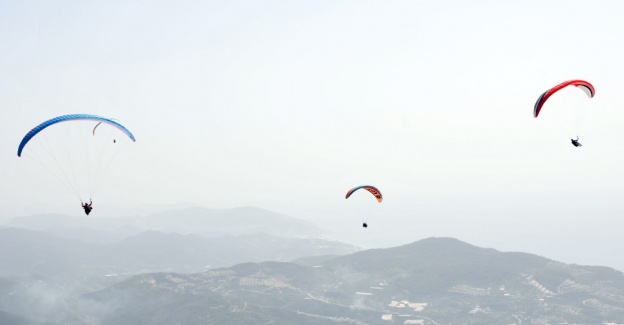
(69, 152)
(373, 190)
(576, 142)
(88, 206)
(65, 118)
(583, 85)
(99, 123)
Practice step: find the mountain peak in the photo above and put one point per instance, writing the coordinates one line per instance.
(441, 244)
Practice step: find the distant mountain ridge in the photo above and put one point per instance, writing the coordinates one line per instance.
(197, 220)
(237, 221)
(26, 252)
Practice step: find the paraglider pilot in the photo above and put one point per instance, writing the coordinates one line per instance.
(87, 206)
(576, 142)
(365, 225)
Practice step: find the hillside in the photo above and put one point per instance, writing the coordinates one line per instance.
(41, 272)
(432, 281)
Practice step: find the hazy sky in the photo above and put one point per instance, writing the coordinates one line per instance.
(285, 105)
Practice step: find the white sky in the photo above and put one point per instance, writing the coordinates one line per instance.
(285, 105)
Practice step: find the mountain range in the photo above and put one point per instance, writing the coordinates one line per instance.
(252, 266)
(431, 281)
